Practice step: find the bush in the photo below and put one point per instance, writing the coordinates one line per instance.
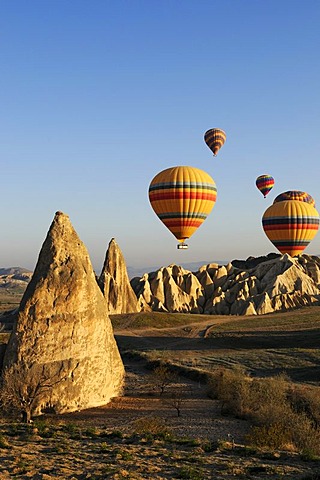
(231, 388)
(284, 416)
(306, 400)
(273, 436)
(153, 426)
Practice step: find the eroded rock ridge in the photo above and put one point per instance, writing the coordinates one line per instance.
(253, 287)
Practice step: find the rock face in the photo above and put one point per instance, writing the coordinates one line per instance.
(63, 326)
(115, 284)
(252, 287)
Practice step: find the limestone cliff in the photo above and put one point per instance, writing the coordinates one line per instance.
(252, 287)
(63, 326)
(115, 284)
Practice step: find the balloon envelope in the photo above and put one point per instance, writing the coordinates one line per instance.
(182, 197)
(295, 195)
(290, 225)
(215, 138)
(265, 183)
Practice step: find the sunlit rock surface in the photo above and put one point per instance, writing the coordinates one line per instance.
(63, 326)
(253, 287)
(115, 284)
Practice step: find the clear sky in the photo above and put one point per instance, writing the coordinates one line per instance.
(98, 96)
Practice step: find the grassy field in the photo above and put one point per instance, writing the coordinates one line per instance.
(263, 345)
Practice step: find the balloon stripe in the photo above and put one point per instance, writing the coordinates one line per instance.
(290, 221)
(182, 186)
(175, 223)
(182, 215)
(289, 243)
(181, 195)
(294, 227)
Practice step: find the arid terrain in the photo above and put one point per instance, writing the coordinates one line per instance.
(140, 436)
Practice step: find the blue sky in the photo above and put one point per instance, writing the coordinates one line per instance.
(98, 96)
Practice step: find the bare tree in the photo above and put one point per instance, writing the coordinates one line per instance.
(162, 377)
(24, 386)
(177, 397)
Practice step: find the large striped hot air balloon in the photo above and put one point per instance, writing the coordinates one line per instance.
(215, 138)
(291, 225)
(295, 195)
(265, 183)
(182, 197)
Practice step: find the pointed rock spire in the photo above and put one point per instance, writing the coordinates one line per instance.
(63, 326)
(115, 284)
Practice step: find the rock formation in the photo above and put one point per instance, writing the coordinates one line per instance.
(63, 327)
(115, 284)
(14, 280)
(251, 287)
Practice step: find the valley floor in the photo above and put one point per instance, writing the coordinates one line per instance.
(140, 437)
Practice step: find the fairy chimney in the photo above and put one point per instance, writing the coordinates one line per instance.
(63, 327)
(115, 284)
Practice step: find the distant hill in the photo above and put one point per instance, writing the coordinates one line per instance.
(13, 271)
(13, 282)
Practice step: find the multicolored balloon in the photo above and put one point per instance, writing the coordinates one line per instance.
(215, 138)
(291, 225)
(182, 197)
(295, 195)
(265, 183)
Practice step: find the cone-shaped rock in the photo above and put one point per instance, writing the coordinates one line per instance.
(114, 282)
(63, 326)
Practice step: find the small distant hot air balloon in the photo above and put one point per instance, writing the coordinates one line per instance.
(291, 225)
(265, 184)
(295, 195)
(182, 197)
(215, 138)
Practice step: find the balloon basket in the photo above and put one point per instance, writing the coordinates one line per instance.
(182, 246)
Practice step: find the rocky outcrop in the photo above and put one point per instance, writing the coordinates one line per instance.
(251, 287)
(115, 284)
(14, 280)
(63, 328)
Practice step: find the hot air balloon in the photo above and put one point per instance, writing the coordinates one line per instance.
(182, 197)
(290, 225)
(215, 138)
(295, 195)
(264, 184)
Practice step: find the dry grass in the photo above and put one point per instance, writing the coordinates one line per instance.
(139, 436)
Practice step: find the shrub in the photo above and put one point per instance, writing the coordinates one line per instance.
(231, 388)
(271, 436)
(305, 399)
(190, 473)
(153, 426)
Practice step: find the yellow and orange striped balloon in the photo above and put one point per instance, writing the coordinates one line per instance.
(291, 225)
(182, 197)
(215, 138)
